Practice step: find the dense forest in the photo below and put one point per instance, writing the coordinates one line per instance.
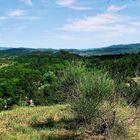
(86, 83)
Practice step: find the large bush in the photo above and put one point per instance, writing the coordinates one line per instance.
(94, 89)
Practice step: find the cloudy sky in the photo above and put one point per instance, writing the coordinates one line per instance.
(69, 23)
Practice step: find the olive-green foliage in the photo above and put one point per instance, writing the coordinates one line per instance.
(70, 81)
(131, 94)
(5, 103)
(33, 76)
(127, 93)
(94, 89)
(2, 103)
(119, 66)
(47, 90)
(48, 78)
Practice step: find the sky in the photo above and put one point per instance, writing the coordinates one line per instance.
(79, 24)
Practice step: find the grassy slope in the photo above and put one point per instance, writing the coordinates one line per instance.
(25, 123)
(29, 123)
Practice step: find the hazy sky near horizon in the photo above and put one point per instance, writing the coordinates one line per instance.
(79, 24)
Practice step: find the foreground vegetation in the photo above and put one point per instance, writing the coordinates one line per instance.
(99, 97)
(37, 123)
(58, 122)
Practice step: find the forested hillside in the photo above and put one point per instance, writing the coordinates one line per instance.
(110, 50)
(94, 90)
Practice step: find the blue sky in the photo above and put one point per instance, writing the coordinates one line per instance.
(79, 24)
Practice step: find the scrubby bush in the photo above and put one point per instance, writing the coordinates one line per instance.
(85, 90)
(7, 103)
(94, 89)
(132, 94)
(127, 92)
(2, 103)
(68, 84)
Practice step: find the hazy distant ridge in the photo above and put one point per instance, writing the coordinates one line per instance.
(111, 50)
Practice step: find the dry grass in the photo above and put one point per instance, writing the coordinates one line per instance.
(130, 118)
(4, 65)
(44, 123)
(28, 123)
(127, 125)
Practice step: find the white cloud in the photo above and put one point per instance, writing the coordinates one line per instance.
(29, 2)
(100, 22)
(16, 13)
(71, 4)
(79, 7)
(115, 8)
(66, 2)
(29, 17)
(105, 22)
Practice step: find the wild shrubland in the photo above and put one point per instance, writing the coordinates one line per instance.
(94, 89)
(93, 97)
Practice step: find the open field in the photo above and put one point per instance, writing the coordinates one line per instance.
(31, 123)
(44, 123)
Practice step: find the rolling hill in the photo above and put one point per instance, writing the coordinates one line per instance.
(111, 50)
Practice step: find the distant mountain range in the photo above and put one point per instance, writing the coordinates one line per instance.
(111, 50)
